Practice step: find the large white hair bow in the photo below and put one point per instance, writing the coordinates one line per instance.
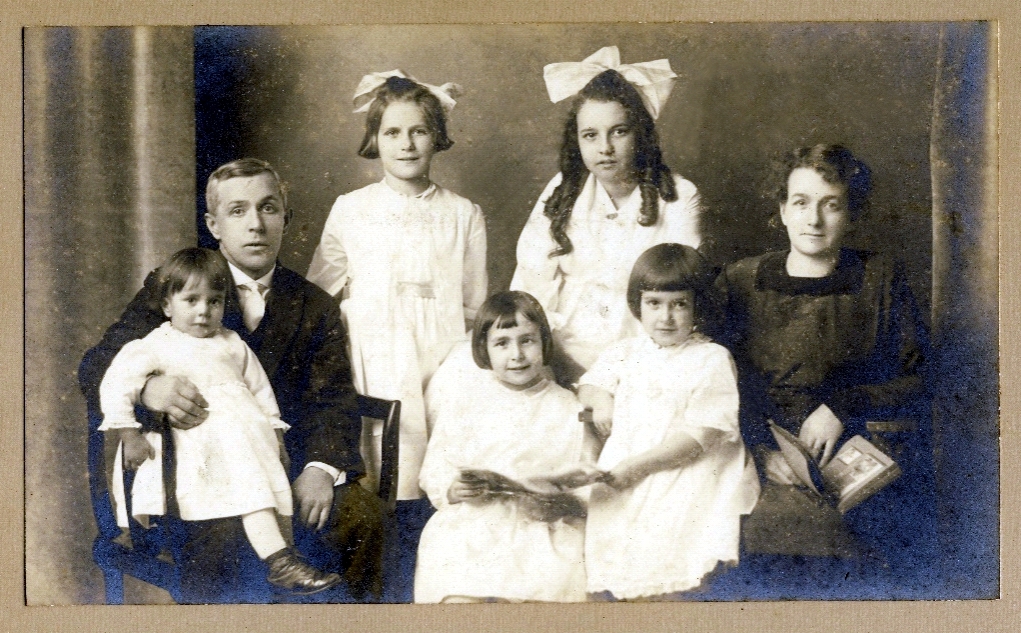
(365, 92)
(654, 80)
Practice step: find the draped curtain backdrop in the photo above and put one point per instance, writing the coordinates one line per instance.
(109, 193)
(123, 126)
(964, 306)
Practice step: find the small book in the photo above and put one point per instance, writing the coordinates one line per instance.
(857, 471)
(540, 499)
(501, 484)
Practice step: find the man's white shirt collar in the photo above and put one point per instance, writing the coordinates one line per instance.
(241, 278)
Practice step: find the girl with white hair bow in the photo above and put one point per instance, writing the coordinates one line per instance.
(613, 198)
(408, 257)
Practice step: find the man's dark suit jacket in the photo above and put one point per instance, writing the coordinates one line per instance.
(301, 344)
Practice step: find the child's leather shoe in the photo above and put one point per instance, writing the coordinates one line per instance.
(288, 571)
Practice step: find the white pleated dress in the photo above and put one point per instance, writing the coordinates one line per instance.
(494, 550)
(229, 465)
(584, 292)
(666, 533)
(414, 268)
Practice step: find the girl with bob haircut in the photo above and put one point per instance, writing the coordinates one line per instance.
(671, 267)
(501, 311)
(673, 477)
(613, 198)
(484, 544)
(408, 259)
(232, 463)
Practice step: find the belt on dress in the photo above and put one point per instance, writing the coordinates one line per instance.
(414, 289)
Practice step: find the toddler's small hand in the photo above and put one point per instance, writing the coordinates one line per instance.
(136, 449)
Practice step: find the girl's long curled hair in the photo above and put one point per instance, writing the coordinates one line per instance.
(654, 177)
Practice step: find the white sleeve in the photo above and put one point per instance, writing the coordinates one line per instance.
(713, 402)
(685, 214)
(328, 269)
(446, 440)
(536, 271)
(605, 372)
(123, 382)
(475, 284)
(258, 383)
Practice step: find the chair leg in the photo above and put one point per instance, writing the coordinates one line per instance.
(114, 583)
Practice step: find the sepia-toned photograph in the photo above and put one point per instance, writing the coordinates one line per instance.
(511, 313)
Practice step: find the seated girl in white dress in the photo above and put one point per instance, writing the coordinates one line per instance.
(676, 477)
(230, 464)
(487, 542)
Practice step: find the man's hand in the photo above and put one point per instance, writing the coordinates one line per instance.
(177, 397)
(313, 490)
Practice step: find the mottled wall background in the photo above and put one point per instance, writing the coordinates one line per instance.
(124, 125)
(745, 92)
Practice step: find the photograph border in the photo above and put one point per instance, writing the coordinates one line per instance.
(979, 615)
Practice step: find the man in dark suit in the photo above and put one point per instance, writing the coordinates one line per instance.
(295, 330)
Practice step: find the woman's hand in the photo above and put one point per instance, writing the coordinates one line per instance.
(470, 491)
(775, 466)
(136, 449)
(820, 432)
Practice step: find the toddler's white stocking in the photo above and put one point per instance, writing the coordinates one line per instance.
(263, 532)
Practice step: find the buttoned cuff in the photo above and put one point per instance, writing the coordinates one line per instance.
(339, 477)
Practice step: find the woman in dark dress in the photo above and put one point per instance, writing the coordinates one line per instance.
(825, 338)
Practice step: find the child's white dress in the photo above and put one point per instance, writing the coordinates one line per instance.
(494, 549)
(229, 465)
(584, 292)
(415, 269)
(671, 529)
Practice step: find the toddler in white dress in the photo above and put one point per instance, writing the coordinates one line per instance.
(231, 463)
(665, 510)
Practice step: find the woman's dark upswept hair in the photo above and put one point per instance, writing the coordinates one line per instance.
(654, 178)
(400, 89)
(837, 166)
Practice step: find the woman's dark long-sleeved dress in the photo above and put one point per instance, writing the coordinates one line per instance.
(854, 341)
